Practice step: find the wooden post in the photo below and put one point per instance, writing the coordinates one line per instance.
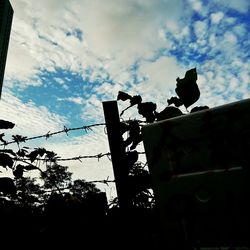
(118, 156)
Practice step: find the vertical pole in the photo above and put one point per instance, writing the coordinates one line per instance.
(117, 151)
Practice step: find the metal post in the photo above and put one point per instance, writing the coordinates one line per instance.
(118, 156)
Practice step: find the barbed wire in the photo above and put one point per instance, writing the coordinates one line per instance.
(18, 138)
(98, 156)
(75, 158)
(50, 134)
(102, 181)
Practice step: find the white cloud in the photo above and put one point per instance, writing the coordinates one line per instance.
(162, 73)
(216, 17)
(124, 26)
(59, 80)
(239, 5)
(76, 100)
(116, 33)
(230, 20)
(200, 29)
(245, 77)
(240, 30)
(230, 37)
(30, 120)
(196, 5)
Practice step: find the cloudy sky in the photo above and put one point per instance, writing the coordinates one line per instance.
(68, 56)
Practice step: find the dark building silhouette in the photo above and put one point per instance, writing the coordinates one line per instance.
(6, 15)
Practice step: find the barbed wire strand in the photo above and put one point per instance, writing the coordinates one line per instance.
(64, 130)
(75, 158)
(50, 134)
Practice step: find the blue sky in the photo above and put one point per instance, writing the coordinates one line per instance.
(66, 57)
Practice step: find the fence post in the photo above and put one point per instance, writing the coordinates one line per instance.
(117, 151)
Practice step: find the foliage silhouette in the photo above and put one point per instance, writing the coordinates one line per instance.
(188, 93)
(187, 90)
(139, 185)
(7, 186)
(55, 207)
(41, 207)
(56, 177)
(81, 188)
(6, 124)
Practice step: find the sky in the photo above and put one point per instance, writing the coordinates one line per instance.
(66, 57)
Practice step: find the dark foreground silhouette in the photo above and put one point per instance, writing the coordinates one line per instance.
(62, 213)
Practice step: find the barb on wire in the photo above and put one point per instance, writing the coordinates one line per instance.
(98, 156)
(107, 181)
(102, 181)
(66, 130)
(47, 136)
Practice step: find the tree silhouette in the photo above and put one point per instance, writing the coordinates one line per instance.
(29, 192)
(48, 207)
(56, 177)
(81, 188)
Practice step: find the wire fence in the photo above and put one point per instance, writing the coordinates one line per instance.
(75, 158)
(19, 138)
(25, 158)
(22, 139)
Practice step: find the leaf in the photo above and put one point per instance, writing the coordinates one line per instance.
(187, 88)
(134, 134)
(123, 127)
(33, 155)
(139, 183)
(168, 112)
(134, 127)
(52, 156)
(22, 152)
(19, 138)
(123, 96)
(135, 100)
(41, 151)
(30, 167)
(8, 151)
(147, 110)
(127, 142)
(175, 100)
(136, 140)
(18, 172)
(7, 186)
(198, 108)
(6, 124)
(6, 161)
(1, 138)
(131, 158)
